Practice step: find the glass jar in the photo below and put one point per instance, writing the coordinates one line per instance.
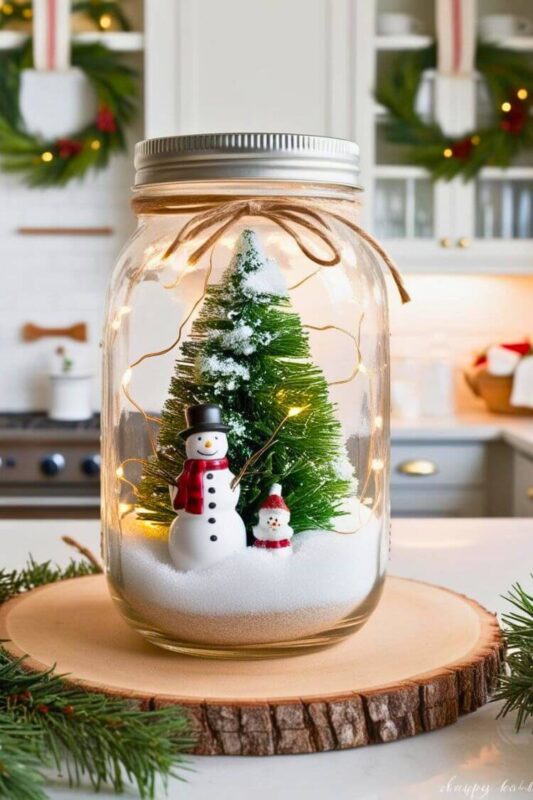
(246, 399)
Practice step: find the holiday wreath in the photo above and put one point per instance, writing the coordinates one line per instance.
(56, 162)
(509, 79)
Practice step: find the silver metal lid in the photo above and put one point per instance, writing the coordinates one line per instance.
(247, 156)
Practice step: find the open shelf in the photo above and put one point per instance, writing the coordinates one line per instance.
(413, 41)
(119, 41)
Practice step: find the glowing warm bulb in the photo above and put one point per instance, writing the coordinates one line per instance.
(506, 106)
(105, 22)
(362, 368)
(378, 423)
(368, 501)
(123, 310)
(126, 378)
(294, 411)
(475, 139)
(96, 144)
(115, 324)
(447, 152)
(120, 472)
(47, 156)
(522, 94)
(377, 464)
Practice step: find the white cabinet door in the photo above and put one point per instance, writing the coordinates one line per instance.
(249, 65)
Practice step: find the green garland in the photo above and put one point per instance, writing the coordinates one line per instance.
(44, 723)
(47, 163)
(103, 13)
(509, 78)
(516, 685)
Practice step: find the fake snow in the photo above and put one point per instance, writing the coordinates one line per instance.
(267, 280)
(343, 468)
(227, 372)
(260, 276)
(239, 340)
(253, 596)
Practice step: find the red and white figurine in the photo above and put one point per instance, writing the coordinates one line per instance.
(273, 532)
(207, 528)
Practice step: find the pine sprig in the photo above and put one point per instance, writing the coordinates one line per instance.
(46, 723)
(516, 686)
(93, 736)
(33, 574)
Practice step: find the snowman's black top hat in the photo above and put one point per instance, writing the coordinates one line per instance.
(203, 417)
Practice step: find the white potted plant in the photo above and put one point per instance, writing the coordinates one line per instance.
(70, 399)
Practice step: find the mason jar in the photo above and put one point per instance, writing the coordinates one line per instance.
(245, 407)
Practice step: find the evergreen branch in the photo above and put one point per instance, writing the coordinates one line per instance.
(34, 574)
(93, 735)
(45, 722)
(516, 685)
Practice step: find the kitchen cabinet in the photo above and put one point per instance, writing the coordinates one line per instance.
(436, 479)
(523, 485)
(311, 66)
(484, 225)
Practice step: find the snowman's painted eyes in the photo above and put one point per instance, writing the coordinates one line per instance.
(216, 437)
(199, 438)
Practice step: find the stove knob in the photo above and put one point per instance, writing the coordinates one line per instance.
(90, 465)
(53, 464)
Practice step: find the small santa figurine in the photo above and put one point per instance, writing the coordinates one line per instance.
(273, 531)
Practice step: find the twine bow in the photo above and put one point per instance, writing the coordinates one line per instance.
(288, 214)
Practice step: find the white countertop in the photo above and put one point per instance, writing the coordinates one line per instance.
(478, 757)
(481, 427)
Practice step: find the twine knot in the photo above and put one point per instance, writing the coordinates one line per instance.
(254, 208)
(293, 215)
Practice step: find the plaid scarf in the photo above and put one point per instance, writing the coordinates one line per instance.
(190, 483)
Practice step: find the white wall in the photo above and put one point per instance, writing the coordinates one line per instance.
(55, 280)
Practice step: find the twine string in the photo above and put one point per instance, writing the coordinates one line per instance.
(289, 214)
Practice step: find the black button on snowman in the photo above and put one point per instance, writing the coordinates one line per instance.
(207, 527)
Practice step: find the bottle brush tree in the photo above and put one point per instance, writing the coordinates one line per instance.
(249, 353)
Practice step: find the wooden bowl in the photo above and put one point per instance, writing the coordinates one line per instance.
(496, 392)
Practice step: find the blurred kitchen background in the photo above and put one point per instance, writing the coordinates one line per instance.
(309, 66)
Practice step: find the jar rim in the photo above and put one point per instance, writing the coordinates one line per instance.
(247, 156)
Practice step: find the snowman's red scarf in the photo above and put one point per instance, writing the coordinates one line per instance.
(190, 483)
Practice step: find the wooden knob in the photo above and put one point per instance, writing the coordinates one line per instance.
(32, 332)
(417, 468)
(530, 493)
(445, 241)
(463, 242)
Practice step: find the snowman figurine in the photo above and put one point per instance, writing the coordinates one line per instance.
(207, 527)
(273, 532)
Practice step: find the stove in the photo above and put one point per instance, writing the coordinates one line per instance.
(49, 468)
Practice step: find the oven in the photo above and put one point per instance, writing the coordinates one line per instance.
(47, 468)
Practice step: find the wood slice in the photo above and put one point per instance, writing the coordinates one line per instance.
(426, 656)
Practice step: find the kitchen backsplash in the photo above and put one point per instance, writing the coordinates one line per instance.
(56, 280)
(464, 313)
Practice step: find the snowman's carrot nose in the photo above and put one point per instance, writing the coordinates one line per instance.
(209, 444)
